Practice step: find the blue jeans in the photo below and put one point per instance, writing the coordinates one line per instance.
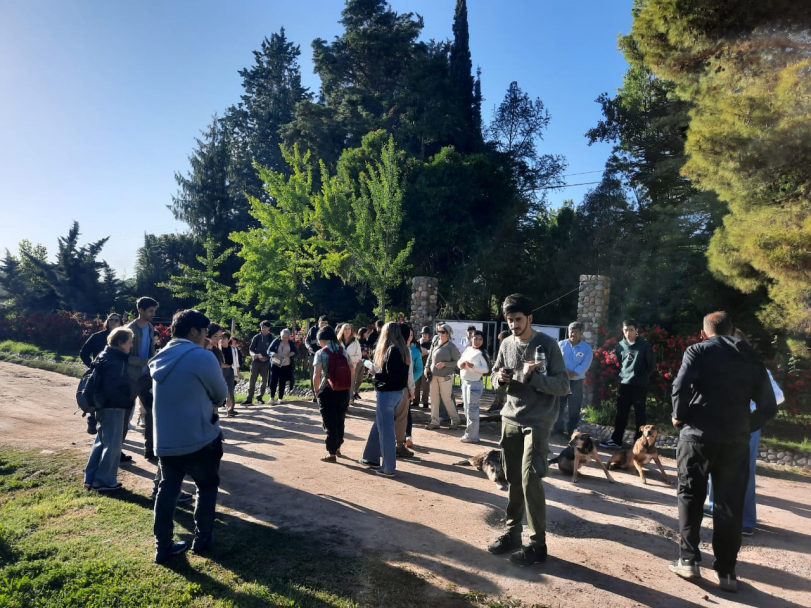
(105, 455)
(574, 401)
(750, 500)
(203, 466)
(471, 396)
(381, 437)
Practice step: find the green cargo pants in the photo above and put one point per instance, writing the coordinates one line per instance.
(524, 452)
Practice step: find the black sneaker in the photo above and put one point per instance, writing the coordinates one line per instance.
(125, 458)
(685, 568)
(506, 542)
(246, 402)
(199, 545)
(727, 582)
(609, 444)
(164, 554)
(259, 399)
(531, 554)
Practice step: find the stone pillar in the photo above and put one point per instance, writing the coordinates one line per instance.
(592, 311)
(592, 305)
(423, 301)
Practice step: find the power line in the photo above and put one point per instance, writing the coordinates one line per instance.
(567, 185)
(558, 298)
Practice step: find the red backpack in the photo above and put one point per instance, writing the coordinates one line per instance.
(339, 375)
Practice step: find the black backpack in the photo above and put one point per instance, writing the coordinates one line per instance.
(89, 395)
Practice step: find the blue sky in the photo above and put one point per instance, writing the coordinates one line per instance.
(100, 102)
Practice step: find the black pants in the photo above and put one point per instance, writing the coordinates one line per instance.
(279, 376)
(333, 405)
(143, 390)
(203, 466)
(728, 463)
(629, 394)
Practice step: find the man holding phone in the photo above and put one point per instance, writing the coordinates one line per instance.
(529, 412)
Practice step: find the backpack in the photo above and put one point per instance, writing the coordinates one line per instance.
(339, 375)
(89, 395)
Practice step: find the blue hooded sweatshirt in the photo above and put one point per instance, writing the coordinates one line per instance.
(187, 385)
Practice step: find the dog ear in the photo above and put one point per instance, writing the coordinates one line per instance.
(641, 427)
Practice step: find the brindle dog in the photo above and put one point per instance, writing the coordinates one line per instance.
(489, 462)
(642, 453)
(581, 449)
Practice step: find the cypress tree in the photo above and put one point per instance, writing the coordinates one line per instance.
(462, 79)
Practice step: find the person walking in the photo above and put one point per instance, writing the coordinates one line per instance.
(403, 411)
(750, 501)
(143, 349)
(346, 336)
(718, 379)
(440, 369)
(577, 355)
(311, 342)
(526, 421)
(390, 367)
(333, 398)
(281, 351)
(189, 387)
(635, 358)
(260, 362)
(360, 370)
(115, 395)
(473, 365)
(416, 373)
(92, 348)
(422, 390)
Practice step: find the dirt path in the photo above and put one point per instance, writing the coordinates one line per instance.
(609, 544)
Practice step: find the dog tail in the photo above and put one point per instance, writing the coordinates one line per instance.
(465, 462)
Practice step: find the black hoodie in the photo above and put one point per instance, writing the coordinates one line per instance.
(711, 395)
(115, 382)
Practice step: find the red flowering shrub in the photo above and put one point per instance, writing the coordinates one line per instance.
(62, 330)
(668, 350)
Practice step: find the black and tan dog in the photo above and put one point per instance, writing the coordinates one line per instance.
(642, 453)
(490, 463)
(581, 449)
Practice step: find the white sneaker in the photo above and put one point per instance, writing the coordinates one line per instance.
(272, 401)
(466, 439)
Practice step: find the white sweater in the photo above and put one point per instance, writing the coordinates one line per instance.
(353, 350)
(480, 367)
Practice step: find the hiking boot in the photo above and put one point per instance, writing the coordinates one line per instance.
(164, 554)
(431, 426)
(609, 444)
(507, 541)
(531, 554)
(198, 545)
(404, 452)
(727, 582)
(685, 568)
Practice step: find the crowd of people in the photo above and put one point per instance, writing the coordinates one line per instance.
(721, 398)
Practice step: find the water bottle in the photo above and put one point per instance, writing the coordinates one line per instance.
(540, 357)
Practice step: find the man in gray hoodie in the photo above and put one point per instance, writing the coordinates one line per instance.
(531, 408)
(188, 388)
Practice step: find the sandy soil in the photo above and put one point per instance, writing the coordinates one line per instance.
(609, 544)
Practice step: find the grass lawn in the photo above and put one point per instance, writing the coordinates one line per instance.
(61, 546)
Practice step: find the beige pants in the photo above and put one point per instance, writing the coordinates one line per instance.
(401, 420)
(357, 378)
(442, 387)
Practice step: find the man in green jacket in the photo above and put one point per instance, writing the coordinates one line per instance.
(530, 410)
(635, 358)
